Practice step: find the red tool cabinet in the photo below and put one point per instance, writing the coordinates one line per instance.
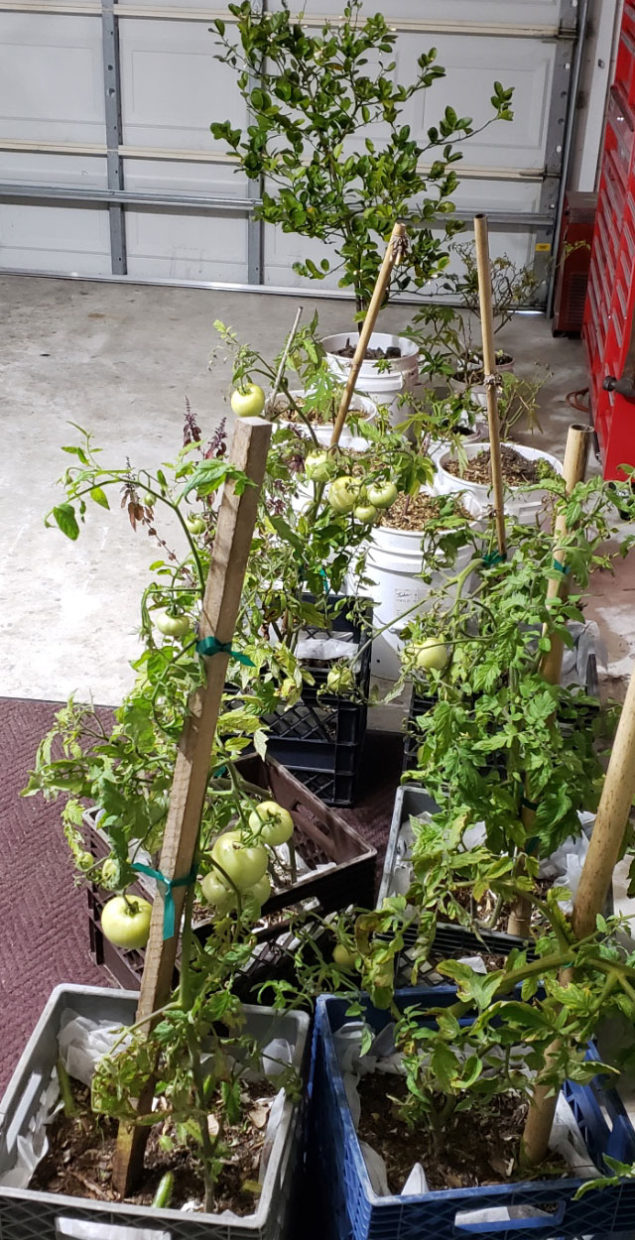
(609, 317)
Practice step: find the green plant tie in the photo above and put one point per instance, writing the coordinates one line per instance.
(494, 557)
(527, 804)
(211, 645)
(561, 568)
(169, 912)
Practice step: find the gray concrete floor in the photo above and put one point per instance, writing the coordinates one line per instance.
(120, 361)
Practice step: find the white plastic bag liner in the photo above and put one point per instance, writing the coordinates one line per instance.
(83, 1042)
(33, 1145)
(327, 648)
(277, 1056)
(271, 1132)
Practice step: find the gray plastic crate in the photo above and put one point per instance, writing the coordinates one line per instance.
(30, 1215)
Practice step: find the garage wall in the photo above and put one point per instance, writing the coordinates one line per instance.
(105, 101)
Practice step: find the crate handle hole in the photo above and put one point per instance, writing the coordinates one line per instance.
(541, 1219)
(85, 1229)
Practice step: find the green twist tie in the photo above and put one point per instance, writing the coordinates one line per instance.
(169, 912)
(211, 645)
(494, 557)
(561, 568)
(529, 804)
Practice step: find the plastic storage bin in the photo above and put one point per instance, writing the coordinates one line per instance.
(352, 1211)
(320, 739)
(29, 1215)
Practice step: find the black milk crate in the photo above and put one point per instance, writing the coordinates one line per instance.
(321, 738)
(321, 836)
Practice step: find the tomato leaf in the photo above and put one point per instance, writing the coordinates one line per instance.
(65, 517)
(100, 497)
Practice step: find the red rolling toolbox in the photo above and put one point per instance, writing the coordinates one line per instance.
(609, 318)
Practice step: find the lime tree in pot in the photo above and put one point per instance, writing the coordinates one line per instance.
(309, 93)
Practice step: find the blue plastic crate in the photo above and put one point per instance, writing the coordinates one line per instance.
(352, 1211)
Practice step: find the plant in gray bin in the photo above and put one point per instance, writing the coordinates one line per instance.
(201, 1048)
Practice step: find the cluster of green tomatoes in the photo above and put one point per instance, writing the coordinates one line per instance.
(346, 493)
(237, 878)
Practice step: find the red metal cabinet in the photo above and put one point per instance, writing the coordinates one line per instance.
(609, 317)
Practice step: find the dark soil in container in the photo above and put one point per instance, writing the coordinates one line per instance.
(79, 1160)
(478, 1147)
(413, 512)
(372, 355)
(517, 470)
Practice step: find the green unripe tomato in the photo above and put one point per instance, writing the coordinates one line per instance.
(344, 493)
(318, 466)
(431, 654)
(343, 957)
(216, 893)
(125, 921)
(366, 513)
(248, 401)
(382, 494)
(84, 860)
(243, 864)
(261, 891)
(271, 823)
(340, 679)
(195, 524)
(171, 626)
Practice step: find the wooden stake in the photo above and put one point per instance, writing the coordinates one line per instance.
(576, 456)
(232, 541)
(392, 258)
(575, 463)
(489, 368)
(599, 863)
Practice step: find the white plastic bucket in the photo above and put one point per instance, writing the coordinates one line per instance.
(395, 560)
(360, 405)
(384, 386)
(526, 506)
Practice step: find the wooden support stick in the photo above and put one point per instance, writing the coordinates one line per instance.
(576, 456)
(232, 541)
(392, 257)
(599, 863)
(489, 368)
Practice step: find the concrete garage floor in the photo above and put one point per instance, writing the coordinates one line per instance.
(120, 361)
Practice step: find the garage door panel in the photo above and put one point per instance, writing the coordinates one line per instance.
(472, 66)
(185, 177)
(186, 247)
(63, 239)
(172, 87)
(31, 167)
(499, 12)
(51, 78)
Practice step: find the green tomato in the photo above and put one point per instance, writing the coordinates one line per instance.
(431, 653)
(248, 401)
(243, 864)
(261, 890)
(217, 893)
(343, 957)
(271, 823)
(110, 872)
(84, 859)
(344, 493)
(318, 466)
(148, 500)
(382, 495)
(195, 524)
(340, 679)
(125, 921)
(172, 626)
(366, 513)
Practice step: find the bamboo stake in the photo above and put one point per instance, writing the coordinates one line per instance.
(604, 849)
(234, 532)
(392, 258)
(285, 354)
(489, 367)
(575, 462)
(574, 469)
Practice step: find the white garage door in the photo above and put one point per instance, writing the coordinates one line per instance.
(108, 165)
